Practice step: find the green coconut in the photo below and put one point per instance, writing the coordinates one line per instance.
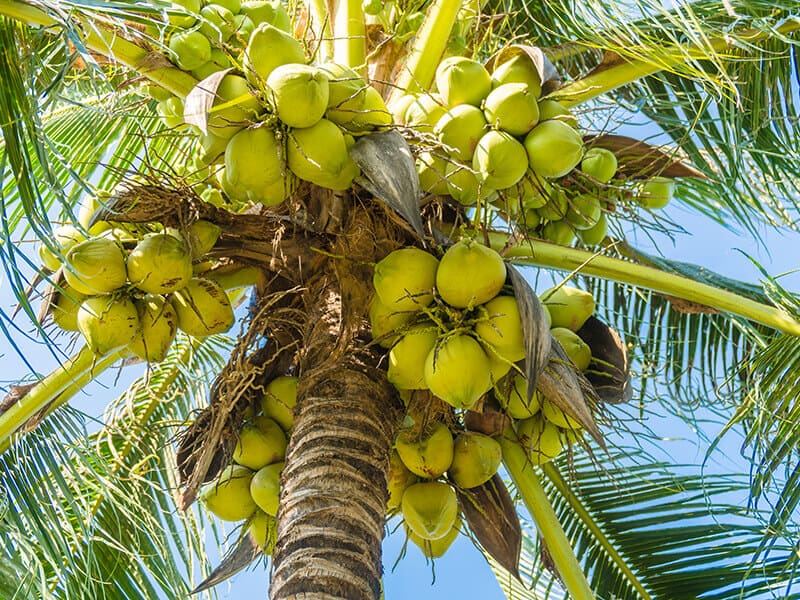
(243, 29)
(203, 308)
(498, 366)
(189, 49)
(319, 154)
(89, 207)
(107, 323)
(424, 112)
(65, 308)
(279, 400)
(158, 325)
(577, 350)
(253, 165)
(160, 264)
(599, 163)
(263, 530)
(595, 234)
(656, 192)
(554, 148)
(558, 417)
(202, 237)
(216, 23)
(373, 115)
(470, 274)
(266, 11)
(462, 80)
(459, 130)
(427, 453)
(513, 108)
(558, 232)
(299, 93)
(530, 192)
(434, 548)
(219, 60)
(399, 106)
(398, 478)
(584, 211)
(501, 326)
(265, 488)
(234, 107)
(269, 48)
(183, 13)
(550, 110)
(540, 438)
(476, 458)
(386, 322)
(569, 306)
(457, 371)
(171, 113)
(432, 170)
(430, 509)
(464, 184)
(64, 238)
(556, 206)
(347, 92)
(512, 394)
(407, 358)
(404, 279)
(518, 69)
(95, 266)
(261, 442)
(499, 159)
(208, 148)
(229, 496)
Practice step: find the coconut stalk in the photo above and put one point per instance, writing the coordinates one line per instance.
(60, 385)
(350, 36)
(530, 489)
(545, 254)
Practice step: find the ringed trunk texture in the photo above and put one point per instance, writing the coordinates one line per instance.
(332, 513)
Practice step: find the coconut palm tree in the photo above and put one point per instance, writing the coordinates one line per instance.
(89, 510)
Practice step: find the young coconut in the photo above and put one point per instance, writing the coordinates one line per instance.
(432, 170)
(462, 80)
(558, 232)
(464, 184)
(459, 130)
(656, 192)
(398, 479)
(518, 69)
(265, 488)
(430, 509)
(435, 548)
(263, 531)
(234, 107)
(427, 453)
(203, 308)
(107, 323)
(404, 279)
(261, 442)
(65, 308)
(202, 237)
(584, 211)
(486, 269)
(540, 438)
(512, 394)
(500, 160)
(253, 165)
(577, 350)
(424, 113)
(554, 148)
(501, 326)
(513, 108)
(447, 375)
(160, 264)
(599, 163)
(279, 401)
(299, 93)
(190, 49)
(266, 11)
(319, 154)
(373, 115)
(476, 458)
(229, 496)
(558, 417)
(208, 149)
(568, 306)
(595, 234)
(216, 23)
(550, 110)
(385, 322)
(267, 49)
(347, 93)
(183, 13)
(158, 325)
(96, 266)
(407, 358)
(64, 238)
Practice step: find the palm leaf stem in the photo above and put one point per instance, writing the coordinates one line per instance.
(109, 43)
(544, 254)
(533, 495)
(623, 73)
(554, 475)
(350, 41)
(72, 375)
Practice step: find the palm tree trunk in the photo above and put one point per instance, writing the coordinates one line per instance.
(333, 488)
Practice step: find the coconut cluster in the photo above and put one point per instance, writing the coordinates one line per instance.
(125, 289)
(276, 119)
(248, 489)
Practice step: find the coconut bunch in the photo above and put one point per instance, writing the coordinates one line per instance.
(248, 489)
(123, 291)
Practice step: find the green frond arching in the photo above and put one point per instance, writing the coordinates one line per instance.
(88, 513)
(661, 529)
